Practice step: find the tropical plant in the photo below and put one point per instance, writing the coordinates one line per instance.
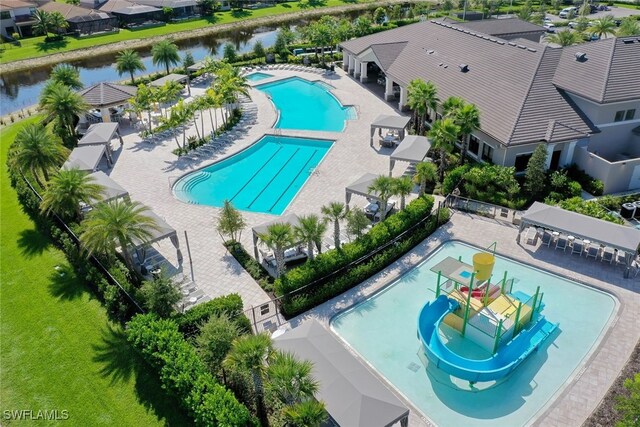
(290, 379)
(129, 61)
(258, 49)
(160, 295)
(58, 22)
(309, 413)
(426, 172)
(165, 53)
(467, 118)
(362, 26)
(379, 15)
(564, 38)
(179, 115)
(443, 135)
(215, 339)
(535, 177)
(229, 53)
(402, 187)
(383, 186)
(42, 25)
(628, 27)
(230, 222)
(604, 27)
(63, 106)
(335, 211)
(451, 106)
(251, 353)
(117, 223)
(37, 152)
(67, 190)
(421, 97)
(208, 6)
(67, 75)
(629, 403)
(357, 222)
(143, 101)
(493, 184)
(310, 230)
(279, 236)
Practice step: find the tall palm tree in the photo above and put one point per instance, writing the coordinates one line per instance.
(431, 96)
(384, 188)
(564, 38)
(451, 106)
(67, 189)
(57, 22)
(251, 353)
(43, 26)
(279, 236)
(425, 172)
(415, 101)
(63, 105)
(290, 379)
(309, 413)
(165, 52)
(143, 101)
(603, 27)
(117, 223)
(468, 119)
(67, 75)
(37, 152)
(310, 230)
(335, 211)
(179, 115)
(443, 135)
(129, 61)
(402, 187)
(628, 27)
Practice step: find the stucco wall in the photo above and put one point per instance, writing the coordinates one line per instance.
(616, 176)
(604, 113)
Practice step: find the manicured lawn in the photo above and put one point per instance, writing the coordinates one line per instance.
(57, 348)
(35, 47)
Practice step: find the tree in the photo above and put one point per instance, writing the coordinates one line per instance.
(179, 115)
(335, 211)
(207, 6)
(290, 379)
(426, 172)
(230, 222)
(443, 135)
(258, 49)
(395, 12)
(421, 97)
(251, 353)
(628, 27)
(279, 236)
(116, 223)
(402, 186)
(58, 22)
(43, 26)
(357, 222)
(362, 26)
(37, 152)
(66, 74)
(379, 15)
(468, 119)
(604, 27)
(310, 230)
(215, 340)
(165, 52)
(129, 61)
(451, 106)
(535, 176)
(309, 413)
(63, 106)
(67, 189)
(564, 38)
(280, 45)
(629, 404)
(160, 295)
(229, 53)
(384, 187)
(143, 101)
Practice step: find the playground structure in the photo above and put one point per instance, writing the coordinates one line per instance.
(507, 324)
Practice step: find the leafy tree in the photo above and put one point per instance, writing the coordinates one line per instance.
(229, 53)
(395, 12)
(57, 22)
(402, 187)
(628, 27)
(447, 5)
(187, 61)
(629, 404)
(604, 27)
(258, 49)
(357, 222)
(290, 379)
(362, 26)
(66, 74)
(383, 186)
(426, 172)
(310, 230)
(309, 413)
(335, 211)
(63, 106)
(116, 223)
(143, 101)
(443, 135)
(129, 61)
(379, 15)
(230, 222)
(160, 295)
(165, 53)
(535, 174)
(492, 184)
(564, 38)
(215, 340)
(43, 24)
(67, 189)
(468, 119)
(278, 237)
(207, 7)
(37, 152)
(250, 353)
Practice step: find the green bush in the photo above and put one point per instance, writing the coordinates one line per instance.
(593, 209)
(589, 184)
(493, 184)
(183, 374)
(453, 178)
(189, 322)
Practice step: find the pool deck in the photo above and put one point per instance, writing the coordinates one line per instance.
(571, 405)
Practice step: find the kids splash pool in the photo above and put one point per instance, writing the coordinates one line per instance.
(382, 330)
(257, 76)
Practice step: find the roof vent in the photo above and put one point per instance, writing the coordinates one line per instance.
(500, 42)
(492, 39)
(472, 33)
(511, 44)
(628, 41)
(581, 56)
(464, 68)
(521, 46)
(530, 49)
(441, 64)
(430, 51)
(486, 37)
(433, 21)
(466, 31)
(446, 66)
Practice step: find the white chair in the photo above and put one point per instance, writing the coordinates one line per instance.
(561, 243)
(607, 255)
(578, 247)
(593, 251)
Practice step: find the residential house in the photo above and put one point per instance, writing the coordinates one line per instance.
(82, 20)
(16, 16)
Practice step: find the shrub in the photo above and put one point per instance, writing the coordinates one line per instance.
(190, 322)
(453, 178)
(589, 184)
(493, 184)
(253, 267)
(214, 341)
(593, 209)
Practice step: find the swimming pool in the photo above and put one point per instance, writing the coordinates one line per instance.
(263, 178)
(257, 76)
(382, 330)
(307, 105)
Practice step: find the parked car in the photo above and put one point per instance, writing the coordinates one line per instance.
(568, 12)
(575, 24)
(549, 26)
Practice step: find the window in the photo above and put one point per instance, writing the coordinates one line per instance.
(625, 115)
(619, 116)
(474, 145)
(522, 161)
(630, 114)
(487, 153)
(5, 14)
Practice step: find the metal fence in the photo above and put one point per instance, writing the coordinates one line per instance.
(488, 210)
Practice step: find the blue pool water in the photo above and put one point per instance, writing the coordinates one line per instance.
(382, 330)
(254, 77)
(263, 178)
(307, 105)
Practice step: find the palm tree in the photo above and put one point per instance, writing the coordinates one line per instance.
(179, 115)
(117, 223)
(63, 105)
(279, 236)
(67, 75)
(628, 27)
(128, 61)
(309, 413)
(384, 187)
(402, 187)
(443, 135)
(251, 353)
(415, 101)
(604, 27)
(57, 22)
(564, 38)
(37, 152)
(310, 230)
(425, 172)
(357, 222)
(169, 92)
(67, 189)
(335, 211)
(290, 379)
(43, 25)
(451, 106)
(431, 96)
(468, 119)
(143, 101)
(165, 53)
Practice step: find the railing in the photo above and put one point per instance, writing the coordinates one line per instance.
(485, 209)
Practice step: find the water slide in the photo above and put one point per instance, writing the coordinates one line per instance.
(498, 366)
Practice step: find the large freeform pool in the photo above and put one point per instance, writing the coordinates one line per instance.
(263, 178)
(382, 330)
(306, 105)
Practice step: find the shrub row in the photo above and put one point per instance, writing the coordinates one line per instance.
(183, 374)
(253, 267)
(589, 184)
(189, 323)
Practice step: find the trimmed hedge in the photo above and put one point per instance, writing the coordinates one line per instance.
(189, 323)
(183, 374)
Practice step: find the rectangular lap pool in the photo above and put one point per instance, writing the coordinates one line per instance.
(382, 330)
(262, 178)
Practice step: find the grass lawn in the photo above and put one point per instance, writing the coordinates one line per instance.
(35, 47)
(57, 348)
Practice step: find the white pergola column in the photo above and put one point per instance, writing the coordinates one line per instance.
(346, 60)
(388, 88)
(357, 69)
(403, 98)
(352, 64)
(567, 154)
(363, 72)
(550, 148)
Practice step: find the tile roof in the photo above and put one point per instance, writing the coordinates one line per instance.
(112, 5)
(609, 72)
(66, 9)
(106, 94)
(14, 4)
(499, 27)
(387, 53)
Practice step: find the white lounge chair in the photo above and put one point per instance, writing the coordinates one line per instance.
(607, 255)
(578, 247)
(561, 243)
(593, 251)
(546, 238)
(621, 257)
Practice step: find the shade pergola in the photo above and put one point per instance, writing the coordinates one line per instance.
(361, 188)
(384, 121)
(101, 134)
(412, 149)
(111, 189)
(616, 236)
(291, 219)
(163, 231)
(103, 96)
(178, 78)
(86, 158)
(353, 396)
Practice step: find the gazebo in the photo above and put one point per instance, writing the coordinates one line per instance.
(162, 232)
(178, 78)
(395, 123)
(606, 233)
(86, 158)
(353, 396)
(412, 149)
(291, 219)
(111, 189)
(101, 134)
(108, 101)
(361, 188)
